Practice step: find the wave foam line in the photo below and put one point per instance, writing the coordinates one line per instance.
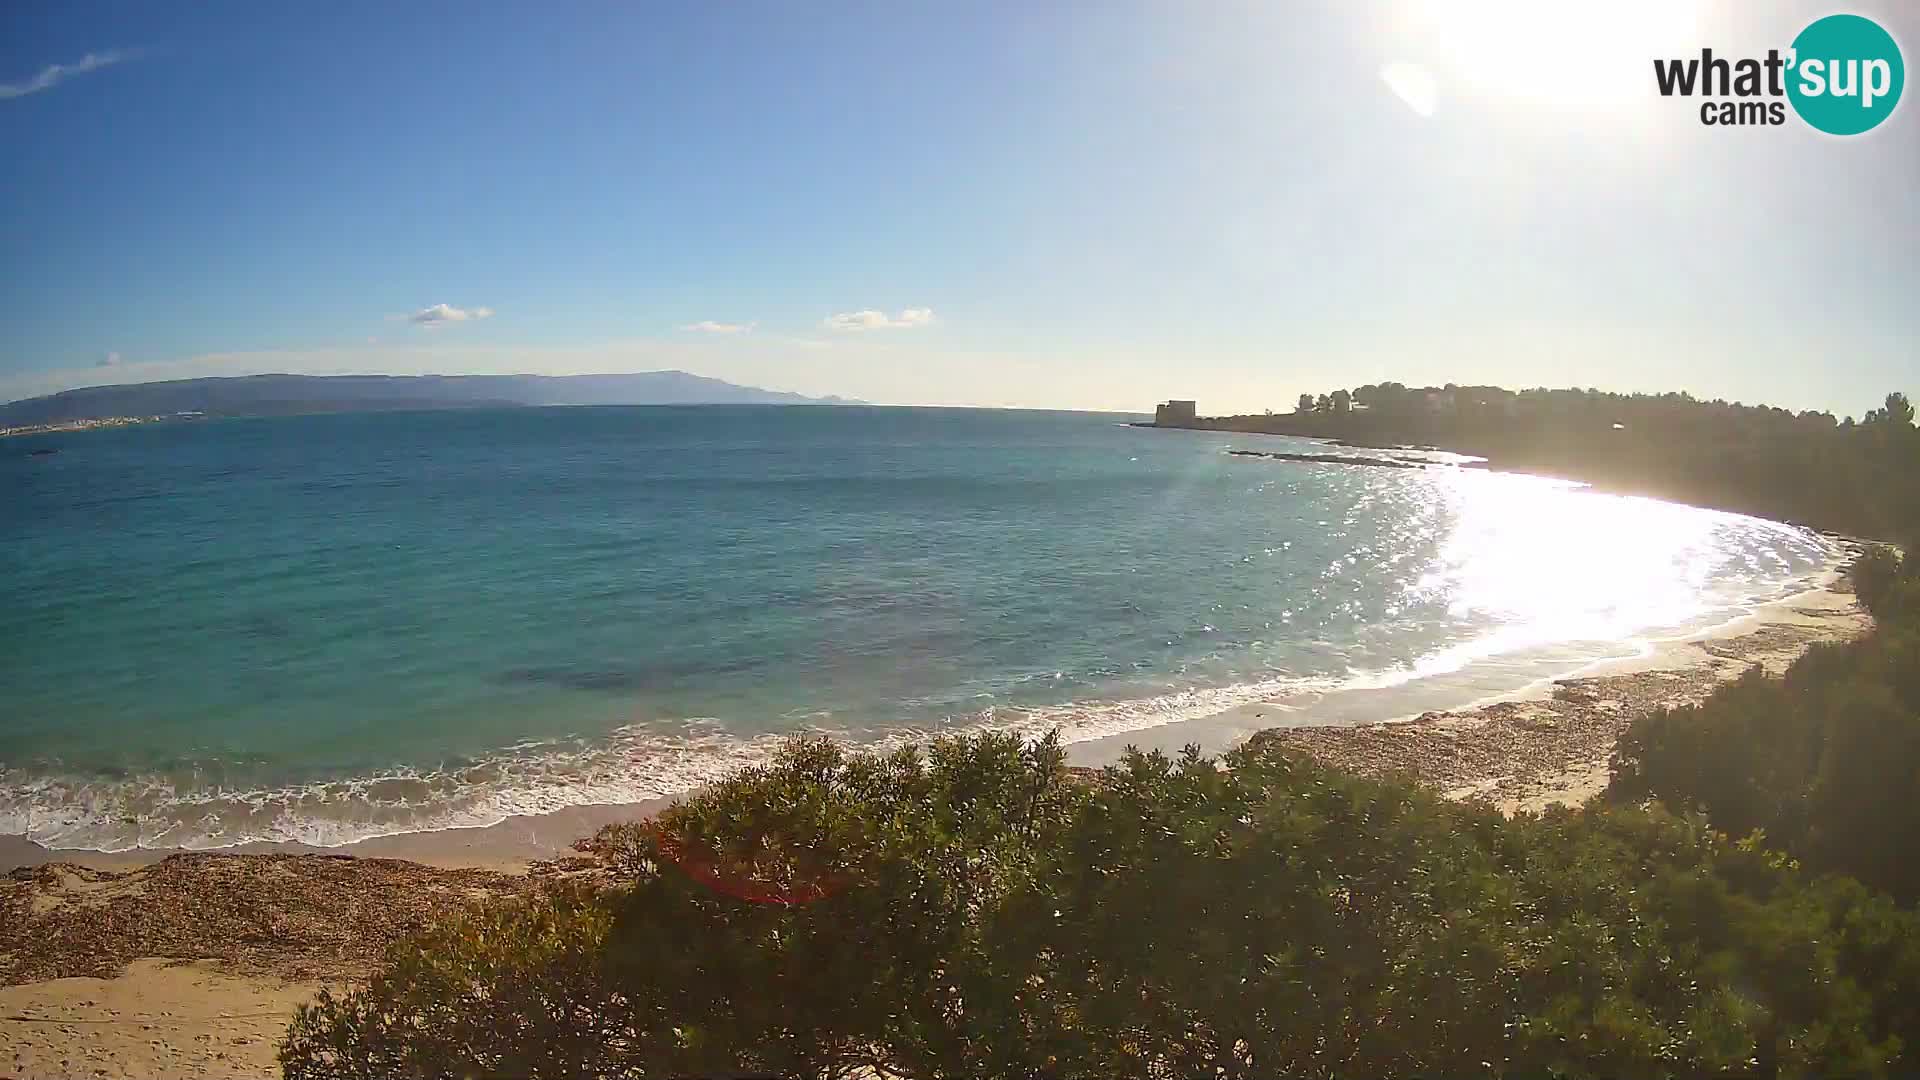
(631, 765)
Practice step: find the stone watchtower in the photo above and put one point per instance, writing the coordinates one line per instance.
(1174, 414)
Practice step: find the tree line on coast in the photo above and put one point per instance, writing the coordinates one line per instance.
(1740, 903)
(1860, 477)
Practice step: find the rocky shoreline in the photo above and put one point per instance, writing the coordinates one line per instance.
(1391, 461)
(1527, 754)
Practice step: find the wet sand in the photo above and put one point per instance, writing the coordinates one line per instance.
(510, 846)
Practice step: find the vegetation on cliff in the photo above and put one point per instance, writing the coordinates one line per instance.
(1861, 478)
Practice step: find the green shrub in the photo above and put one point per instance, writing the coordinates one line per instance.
(510, 991)
(1876, 578)
(975, 911)
(1824, 760)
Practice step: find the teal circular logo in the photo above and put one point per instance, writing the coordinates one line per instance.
(1846, 74)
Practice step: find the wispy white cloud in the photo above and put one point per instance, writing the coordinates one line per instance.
(442, 314)
(855, 321)
(54, 74)
(112, 359)
(708, 326)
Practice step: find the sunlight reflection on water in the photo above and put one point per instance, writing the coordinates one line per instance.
(1552, 562)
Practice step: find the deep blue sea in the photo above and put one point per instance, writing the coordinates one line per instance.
(324, 628)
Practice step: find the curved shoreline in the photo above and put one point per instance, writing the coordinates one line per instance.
(1552, 747)
(1358, 628)
(1671, 670)
(164, 979)
(1343, 725)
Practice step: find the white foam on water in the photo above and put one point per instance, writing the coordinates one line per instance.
(635, 764)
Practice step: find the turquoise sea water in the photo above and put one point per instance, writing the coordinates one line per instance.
(330, 627)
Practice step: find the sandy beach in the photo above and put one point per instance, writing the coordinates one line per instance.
(1544, 744)
(193, 965)
(1551, 747)
(172, 964)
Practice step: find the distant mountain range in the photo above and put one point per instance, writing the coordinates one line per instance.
(280, 395)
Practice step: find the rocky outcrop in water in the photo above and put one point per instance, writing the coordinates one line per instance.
(1337, 459)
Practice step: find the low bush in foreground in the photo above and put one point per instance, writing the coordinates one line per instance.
(1824, 761)
(971, 910)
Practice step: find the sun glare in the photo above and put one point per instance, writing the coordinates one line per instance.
(1550, 53)
(1553, 563)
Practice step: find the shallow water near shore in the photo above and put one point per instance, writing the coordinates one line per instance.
(320, 629)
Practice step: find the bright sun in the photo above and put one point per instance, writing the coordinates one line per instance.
(1553, 52)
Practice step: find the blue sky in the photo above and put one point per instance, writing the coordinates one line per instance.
(1056, 205)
